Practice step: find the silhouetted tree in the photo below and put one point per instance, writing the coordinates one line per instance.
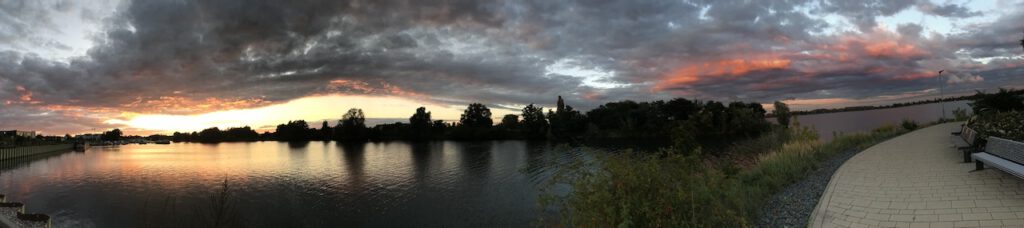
(212, 134)
(293, 131)
(681, 108)
(476, 115)
(240, 134)
(352, 126)
(534, 124)
(560, 104)
(629, 119)
(390, 131)
(326, 132)
(438, 128)
(566, 122)
(781, 113)
(509, 121)
(420, 123)
(112, 135)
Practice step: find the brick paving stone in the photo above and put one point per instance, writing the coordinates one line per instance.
(918, 180)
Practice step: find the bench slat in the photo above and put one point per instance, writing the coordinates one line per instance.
(959, 142)
(1006, 149)
(1000, 163)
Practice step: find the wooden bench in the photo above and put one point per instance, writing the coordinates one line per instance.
(966, 142)
(1003, 154)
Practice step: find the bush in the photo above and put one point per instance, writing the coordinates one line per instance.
(960, 114)
(1006, 125)
(909, 125)
(1002, 101)
(681, 190)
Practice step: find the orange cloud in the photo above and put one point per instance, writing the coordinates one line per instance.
(362, 87)
(24, 97)
(893, 49)
(721, 68)
(185, 105)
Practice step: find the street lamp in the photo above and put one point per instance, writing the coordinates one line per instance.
(942, 84)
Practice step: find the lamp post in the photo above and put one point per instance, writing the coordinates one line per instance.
(942, 85)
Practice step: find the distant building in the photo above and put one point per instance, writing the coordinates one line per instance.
(12, 133)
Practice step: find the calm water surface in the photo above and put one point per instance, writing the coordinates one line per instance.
(396, 184)
(860, 121)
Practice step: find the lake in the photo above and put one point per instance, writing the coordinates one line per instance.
(318, 184)
(394, 184)
(861, 121)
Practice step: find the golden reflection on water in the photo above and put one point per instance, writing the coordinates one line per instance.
(337, 184)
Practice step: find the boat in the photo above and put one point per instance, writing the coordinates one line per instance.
(81, 146)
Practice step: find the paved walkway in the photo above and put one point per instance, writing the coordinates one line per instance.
(918, 180)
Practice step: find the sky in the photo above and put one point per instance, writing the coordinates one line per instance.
(158, 66)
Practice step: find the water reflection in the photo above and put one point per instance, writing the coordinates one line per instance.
(355, 160)
(421, 158)
(396, 184)
(298, 145)
(475, 157)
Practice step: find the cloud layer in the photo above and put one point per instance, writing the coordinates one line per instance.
(192, 57)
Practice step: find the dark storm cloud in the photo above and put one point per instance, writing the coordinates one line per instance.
(158, 56)
(951, 10)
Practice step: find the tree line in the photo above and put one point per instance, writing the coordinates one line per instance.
(977, 96)
(656, 120)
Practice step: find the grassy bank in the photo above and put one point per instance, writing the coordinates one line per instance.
(673, 189)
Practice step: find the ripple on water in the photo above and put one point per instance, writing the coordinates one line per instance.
(275, 185)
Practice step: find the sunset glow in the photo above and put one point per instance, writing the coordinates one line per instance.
(312, 109)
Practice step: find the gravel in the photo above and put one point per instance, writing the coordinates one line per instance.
(792, 206)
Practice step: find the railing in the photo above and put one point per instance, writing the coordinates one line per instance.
(25, 151)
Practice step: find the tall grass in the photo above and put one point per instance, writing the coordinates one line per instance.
(218, 211)
(677, 190)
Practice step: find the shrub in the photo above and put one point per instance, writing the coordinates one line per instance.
(782, 113)
(1006, 125)
(960, 114)
(909, 125)
(681, 190)
(1002, 101)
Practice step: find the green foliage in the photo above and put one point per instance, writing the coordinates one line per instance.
(1002, 101)
(781, 113)
(1008, 125)
(908, 124)
(960, 114)
(681, 190)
